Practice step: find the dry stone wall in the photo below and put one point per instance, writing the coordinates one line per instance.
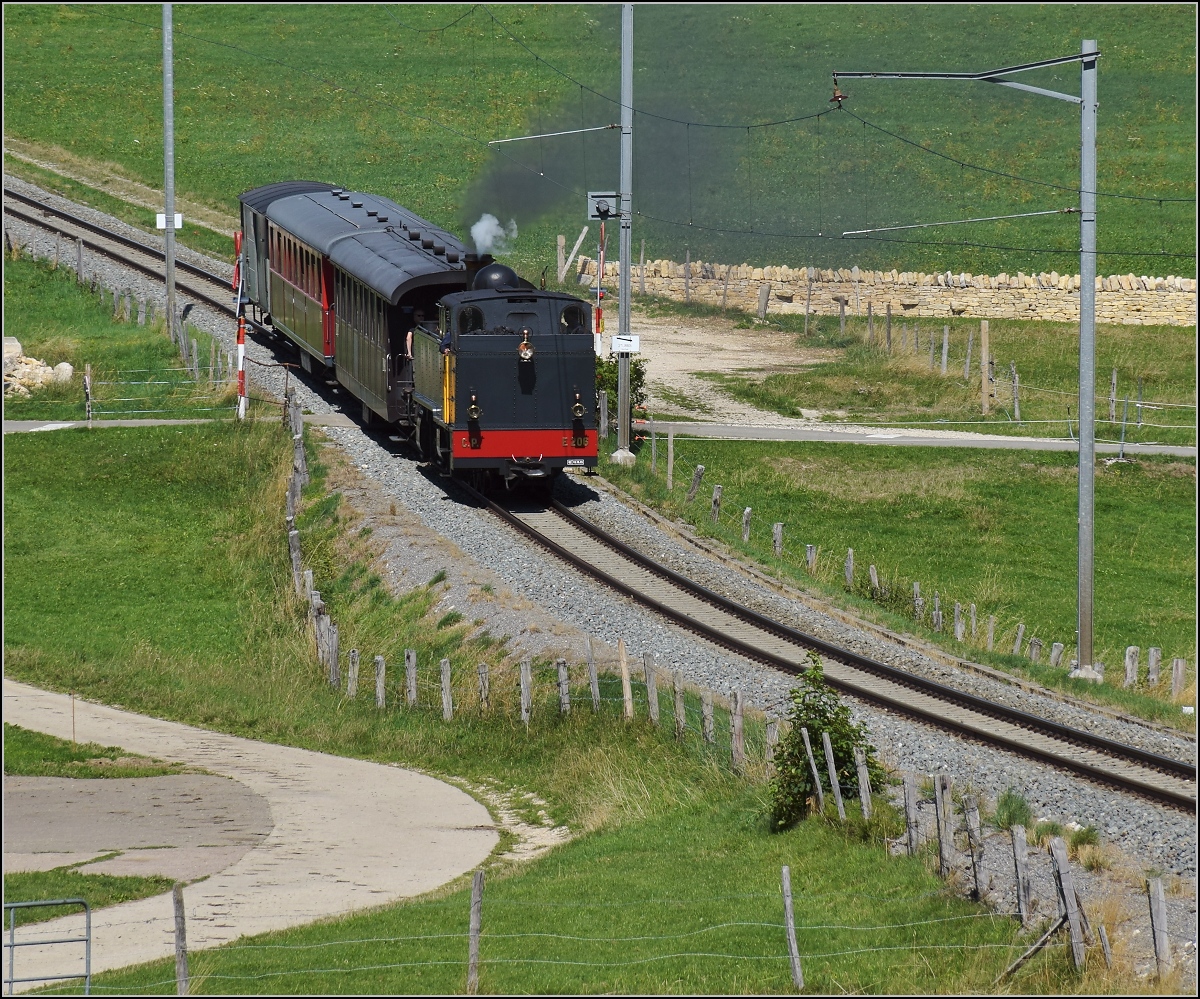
(1120, 298)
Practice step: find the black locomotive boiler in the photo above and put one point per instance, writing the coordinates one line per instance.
(488, 375)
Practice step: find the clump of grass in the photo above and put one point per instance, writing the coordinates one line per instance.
(437, 578)
(448, 620)
(1043, 832)
(1079, 838)
(1012, 809)
(1094, 858)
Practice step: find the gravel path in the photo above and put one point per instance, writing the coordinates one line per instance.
(1148, 836)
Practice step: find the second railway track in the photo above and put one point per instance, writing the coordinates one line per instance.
(756, 637)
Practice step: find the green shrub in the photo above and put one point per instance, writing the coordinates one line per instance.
(1012, 810)
(818, 709)
(607, 370)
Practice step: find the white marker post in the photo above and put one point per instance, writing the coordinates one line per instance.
(241, 366)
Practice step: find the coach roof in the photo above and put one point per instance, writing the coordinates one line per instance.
(374, 239)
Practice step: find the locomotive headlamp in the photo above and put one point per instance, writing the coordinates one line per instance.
(525, 348)
(473, 410)
(577, 409)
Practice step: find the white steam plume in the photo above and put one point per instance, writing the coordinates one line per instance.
(490, 236)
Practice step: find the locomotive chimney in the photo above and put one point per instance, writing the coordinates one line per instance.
(476, 262)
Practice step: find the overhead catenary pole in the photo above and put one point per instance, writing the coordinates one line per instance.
(1087, 291)
(169, 163)
(623, 454)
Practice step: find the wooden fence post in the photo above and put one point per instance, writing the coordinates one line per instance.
(1131, 665)
(1021, 870)
(680, 704)
(1158, 926)
(973, 621)
(991, 638)
(1153, 659)
(653, 448)
(864, 781)
(945, 347)
(526, 678)
(380, 682)
(1177, 670)
(410, 677)
(335, 669)
(888, 327)
(564, 687)
(79, 261)
(687, 276)
(1112, 398)
(447, 693)
(771, 741)
(850, 568)
(937, 611)
(959, 626)
(967, 363)
(475, 926)
(873, 573)
(181, 955)
(810, 558)
(944, 806)
(651, 687)
(870, 323)
(790, 920)
(1066, 893)
(725, 288)
(812, 763)
(707, 728)
(746, 526)
(911, 816)
(297, 569)
(777, 539)
(670, 459)
(1035, 649)
(1020, 639)
(626, 685)
(352, 676)
(1056, 652)
(484, 688)
(974, 840)
(593, 677)
(831, 766)
(737, 744)
(1016, 395)
(697, 476)
(716, 504)
(603, 414)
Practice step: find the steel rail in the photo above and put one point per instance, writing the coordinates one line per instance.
(159, 256)
(922, 689)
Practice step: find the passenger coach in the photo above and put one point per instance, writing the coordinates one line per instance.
(501, 376)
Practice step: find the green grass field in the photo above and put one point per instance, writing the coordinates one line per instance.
(996, 528)
(376, 98)
(176, 601)
(136, 369)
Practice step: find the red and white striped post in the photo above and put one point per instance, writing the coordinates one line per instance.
(241, 367)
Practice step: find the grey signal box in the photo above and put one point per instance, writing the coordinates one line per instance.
(603, 205)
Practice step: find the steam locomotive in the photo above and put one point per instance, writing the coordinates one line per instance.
(487, 375)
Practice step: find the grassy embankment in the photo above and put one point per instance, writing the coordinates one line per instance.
(377, 100)
(162, 552)
(54, 321)
(996, 528)
(33, 754)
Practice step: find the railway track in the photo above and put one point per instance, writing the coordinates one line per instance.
(211, 289)
(722, 621)
(756, 637)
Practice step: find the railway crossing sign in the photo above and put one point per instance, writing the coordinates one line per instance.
(603, 205)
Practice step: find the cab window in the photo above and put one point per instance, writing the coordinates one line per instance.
(470, 320)
(573, 320)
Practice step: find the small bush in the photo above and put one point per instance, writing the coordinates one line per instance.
(1012, 810)
(818, 709)
(1094, 858)
(1043, 832)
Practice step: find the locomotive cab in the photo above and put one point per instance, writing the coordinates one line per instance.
(508, 385)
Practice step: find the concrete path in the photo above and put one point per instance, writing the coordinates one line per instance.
(906, 437)
(178, 826)
(346, 835)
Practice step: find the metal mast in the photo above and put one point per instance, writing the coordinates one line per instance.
(624, 284)
(169, 163)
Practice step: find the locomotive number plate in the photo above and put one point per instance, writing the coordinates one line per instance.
(574, 461)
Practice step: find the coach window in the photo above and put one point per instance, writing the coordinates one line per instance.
(470, 320)
(573, 320)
